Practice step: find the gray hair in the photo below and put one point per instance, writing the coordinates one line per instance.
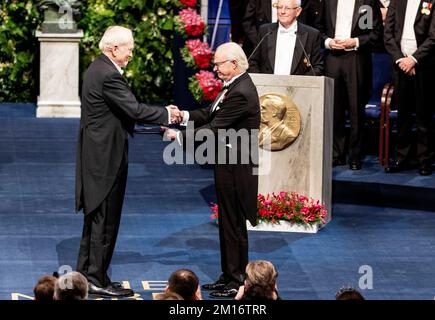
(233, 51)
(71, 286)
(298, 3)
(115, 36)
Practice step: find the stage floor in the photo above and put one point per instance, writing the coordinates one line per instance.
(166, 225)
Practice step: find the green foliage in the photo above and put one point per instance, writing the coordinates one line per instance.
(18, 50)
(150, 71)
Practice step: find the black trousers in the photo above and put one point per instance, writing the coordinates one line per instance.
(100, 230)
(415, 94)
(351, 72)
(233, 234)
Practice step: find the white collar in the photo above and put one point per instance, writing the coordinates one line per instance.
(227, 83)
(292, 29)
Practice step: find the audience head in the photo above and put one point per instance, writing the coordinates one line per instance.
(229, 61)
(185, 283)
(117, 43)
(167, 296)
(260, 282)
(71, 286)
(288, 11)
(349, 293)
(44, 289)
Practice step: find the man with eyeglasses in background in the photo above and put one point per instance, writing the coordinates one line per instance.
(259, 12)
(288, 47)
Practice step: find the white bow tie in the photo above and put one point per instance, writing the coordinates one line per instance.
(291, 31)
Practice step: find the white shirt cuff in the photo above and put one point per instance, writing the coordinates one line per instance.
(327, 41)
(169, 115)
(415, 60)
(186, 117)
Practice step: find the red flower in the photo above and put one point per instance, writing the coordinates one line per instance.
(196, 54)
(189, 23)
(186, 3)
(204, 86)
(289, 207)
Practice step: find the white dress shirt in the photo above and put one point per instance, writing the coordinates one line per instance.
(285, 48)
(343, 22)
(408, 43)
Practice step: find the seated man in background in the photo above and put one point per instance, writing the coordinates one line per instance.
(185, 283)
(288, 47)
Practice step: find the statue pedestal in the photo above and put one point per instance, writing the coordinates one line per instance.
(305, 166)
(59, 75)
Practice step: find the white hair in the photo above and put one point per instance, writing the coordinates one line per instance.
(298, 3)
(115, 36)
(233, 51)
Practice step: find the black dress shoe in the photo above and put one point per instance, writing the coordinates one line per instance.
(338, 162)
(227, 293)
(213, 286)
(425, 170)
(397, 167)
(110, 291)
(355, 165)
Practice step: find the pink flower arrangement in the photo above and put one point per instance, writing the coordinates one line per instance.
(196, 54)
(214, 208)
(189, 23)
(287, 206)
(204, 86)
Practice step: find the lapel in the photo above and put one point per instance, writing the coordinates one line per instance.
(230, 87)
(301, 39)
(419, 14)
(356, 13)
(333, 10)
(271, 45)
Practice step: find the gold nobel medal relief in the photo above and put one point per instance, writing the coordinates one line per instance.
(280, 122)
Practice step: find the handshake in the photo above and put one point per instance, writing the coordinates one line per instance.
(176, 117)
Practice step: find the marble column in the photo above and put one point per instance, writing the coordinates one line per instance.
(59, 75)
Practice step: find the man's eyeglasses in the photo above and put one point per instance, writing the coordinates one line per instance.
(219, 63)
(285, 8)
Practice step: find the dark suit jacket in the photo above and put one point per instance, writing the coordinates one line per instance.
(263, 60)
(424, 28)
(239, 110)
(109, 111)
(368, 38)
(237, 10)
(259, 12)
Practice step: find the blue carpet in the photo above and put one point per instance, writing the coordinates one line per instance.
(166, 224)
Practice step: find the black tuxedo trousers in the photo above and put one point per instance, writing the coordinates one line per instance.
(100, 230)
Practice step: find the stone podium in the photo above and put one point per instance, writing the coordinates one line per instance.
(304, 166)
(59, 75)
